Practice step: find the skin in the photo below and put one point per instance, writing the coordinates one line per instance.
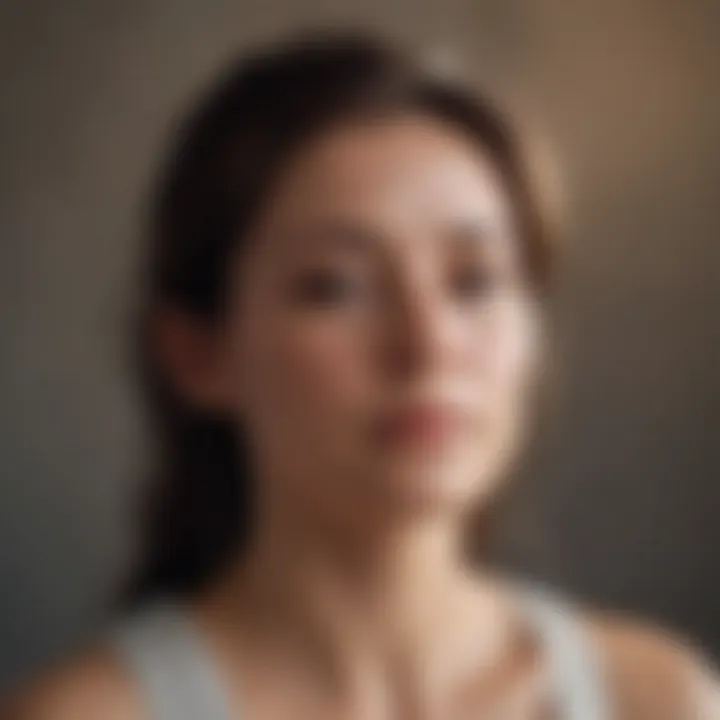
(385, 271)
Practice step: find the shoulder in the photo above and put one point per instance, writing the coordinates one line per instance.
(652, 672)
(90, 686)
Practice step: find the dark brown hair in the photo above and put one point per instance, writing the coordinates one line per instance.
(230, 150)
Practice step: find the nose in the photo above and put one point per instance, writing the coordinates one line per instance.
(421, 332)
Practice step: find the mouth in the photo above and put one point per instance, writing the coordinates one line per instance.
(422, 424)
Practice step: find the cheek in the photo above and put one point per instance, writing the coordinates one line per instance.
(326, 364)
(503, 354)
(308, 376)
(501, 360)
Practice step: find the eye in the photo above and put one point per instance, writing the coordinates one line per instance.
(330, 287)
(474, 282)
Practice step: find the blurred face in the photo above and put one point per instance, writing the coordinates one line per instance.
(380, 334)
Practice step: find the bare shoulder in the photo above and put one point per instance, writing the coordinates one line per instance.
(654, 673)
(92, 685)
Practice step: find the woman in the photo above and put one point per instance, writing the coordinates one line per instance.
(341, 342)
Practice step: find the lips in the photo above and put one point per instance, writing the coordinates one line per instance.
(421, 424)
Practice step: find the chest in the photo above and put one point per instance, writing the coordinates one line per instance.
(179, 680)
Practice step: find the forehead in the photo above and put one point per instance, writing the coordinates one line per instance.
(395, 174)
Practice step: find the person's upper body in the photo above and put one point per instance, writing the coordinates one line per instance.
(159, 664)
(342, 339)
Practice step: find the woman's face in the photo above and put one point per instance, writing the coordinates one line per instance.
(380, 332)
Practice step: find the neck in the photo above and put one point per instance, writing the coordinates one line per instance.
(385, 584)
(397, 602)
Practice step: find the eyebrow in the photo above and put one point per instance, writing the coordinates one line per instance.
(470, 233)
(473, 232)
(339, 233)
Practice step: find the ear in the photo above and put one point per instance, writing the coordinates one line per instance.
(192, 354)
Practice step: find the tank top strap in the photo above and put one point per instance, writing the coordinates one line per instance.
(575, 662)
(162, 650)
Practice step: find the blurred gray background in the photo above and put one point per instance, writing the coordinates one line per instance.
(624, 512)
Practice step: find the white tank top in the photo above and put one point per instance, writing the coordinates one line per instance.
(164, 652)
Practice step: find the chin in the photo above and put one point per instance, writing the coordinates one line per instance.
(435, 486)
